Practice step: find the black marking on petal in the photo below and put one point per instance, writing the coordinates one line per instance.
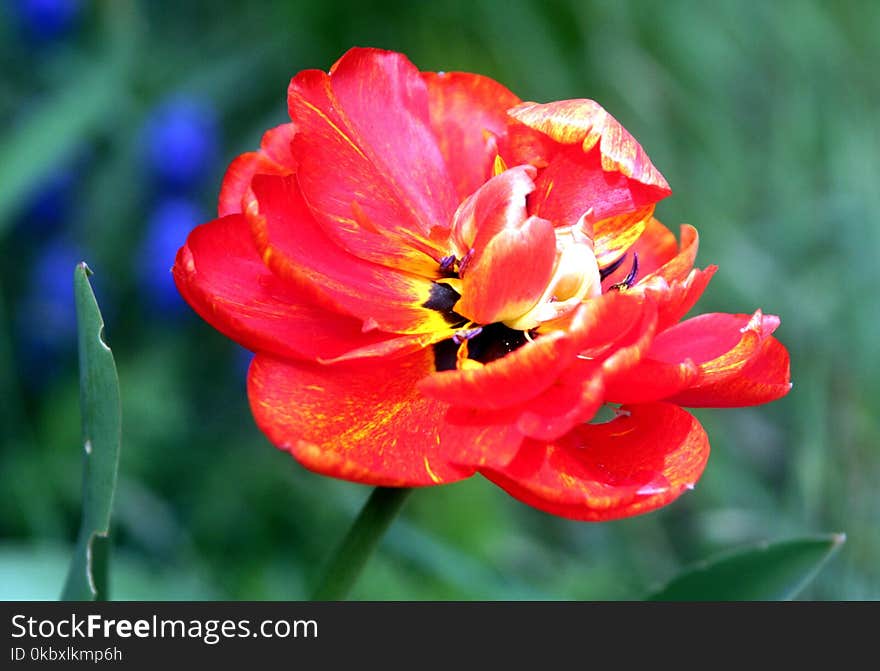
(442, 298)
(445, 355)
(484, 345)
(607, 270)
(494, 342)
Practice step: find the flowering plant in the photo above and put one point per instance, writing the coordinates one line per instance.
(440, 280)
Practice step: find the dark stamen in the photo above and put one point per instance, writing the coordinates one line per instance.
(607, 270)
(630, 279)
(447, 263)
(466, 334)
(463, 264)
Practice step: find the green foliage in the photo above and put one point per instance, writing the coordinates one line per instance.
(767, 572)
(101, 428)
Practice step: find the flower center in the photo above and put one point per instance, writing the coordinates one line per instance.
(509, 276)
(575, 278)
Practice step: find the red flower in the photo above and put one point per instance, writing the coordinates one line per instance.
(438, 280)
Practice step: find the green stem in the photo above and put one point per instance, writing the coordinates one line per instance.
(363, 537)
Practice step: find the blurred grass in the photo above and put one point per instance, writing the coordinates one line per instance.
(762, 116)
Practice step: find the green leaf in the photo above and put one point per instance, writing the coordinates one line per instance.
(765, 572)
(102, 436)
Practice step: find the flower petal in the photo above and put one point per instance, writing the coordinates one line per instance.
(594, 168)
(639, 461)
(719, 343)
(467, 113)
(572, 399)
(508, 276)
(737, 365)
(273, 158)
(613, 236)
(220, 274)
(705, 360)
(675, 300)
(295, 247)
(498, 204)
(766, 378)
(586, 123)
(361, 421)
(368, 163)
(610, 335)
(680, 265)
(512, 379)
(651, 380)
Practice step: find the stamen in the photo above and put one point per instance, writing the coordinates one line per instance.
(607, 270)
(447, 263)
(466, 334)
(463, 264)
(630, 279)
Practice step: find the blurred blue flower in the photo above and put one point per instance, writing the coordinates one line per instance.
(45, 21)
(167, 228)
(181, 139)
(46, 313)
(48, 206)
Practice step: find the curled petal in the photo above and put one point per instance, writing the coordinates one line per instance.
(766, 378)
(706, 360)
(574, 188)
(362, 421)
(735, 355)
(720, 343)
(594, 168)
(273, 158)
(641, 460)
(500, 203)
(220, 274)
(586, 123)
(467, 112)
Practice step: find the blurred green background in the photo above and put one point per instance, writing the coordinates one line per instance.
(762, 116)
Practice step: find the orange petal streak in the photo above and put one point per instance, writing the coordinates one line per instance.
(363, 422)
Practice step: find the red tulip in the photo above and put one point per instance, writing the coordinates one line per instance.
(439, 279)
